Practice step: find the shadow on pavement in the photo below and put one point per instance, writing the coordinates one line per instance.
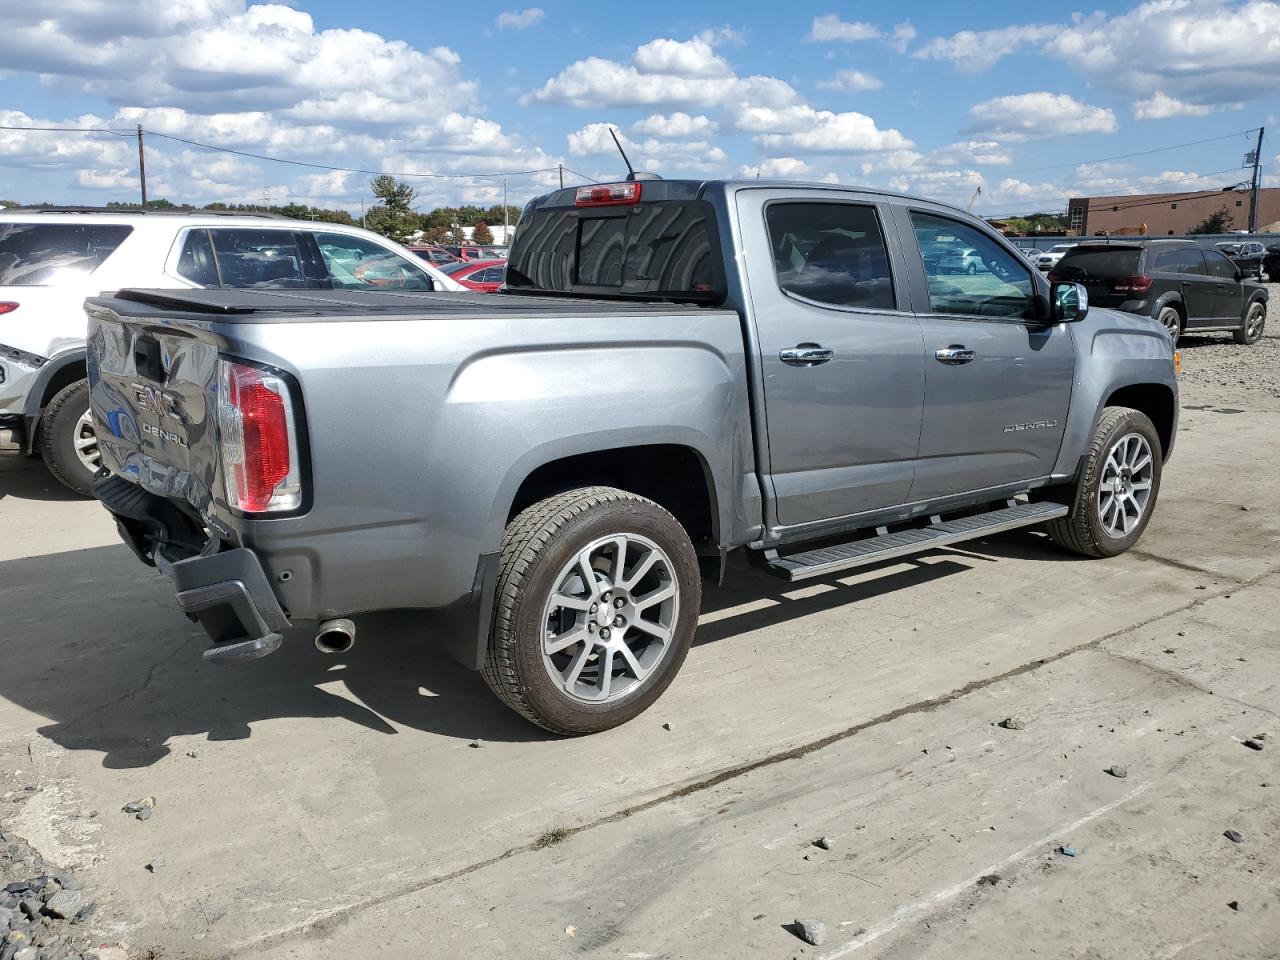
(27, 478)
(94, 642)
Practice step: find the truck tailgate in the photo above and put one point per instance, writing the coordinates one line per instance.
(153, 394)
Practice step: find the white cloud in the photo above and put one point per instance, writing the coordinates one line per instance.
(1028, 116)
(661, 72)
(786, 168)
(972, 51)
(981, 152)
(677, 124)
(903, 34)
(1201, 52)
(1159, 106)
(652, 154)
(805, 130)
(830, 27)
(520, 19)
(852, 81)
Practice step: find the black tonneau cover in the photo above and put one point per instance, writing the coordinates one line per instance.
(283, 306)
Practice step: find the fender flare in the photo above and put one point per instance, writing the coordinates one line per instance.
(34, 405)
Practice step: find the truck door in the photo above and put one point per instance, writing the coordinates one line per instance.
(839, 353)
(997, 381)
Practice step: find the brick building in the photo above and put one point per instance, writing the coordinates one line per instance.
(1167, 214)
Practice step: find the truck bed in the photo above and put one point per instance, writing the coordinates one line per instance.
(310, 306)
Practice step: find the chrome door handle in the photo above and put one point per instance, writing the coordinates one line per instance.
(806, 355)
(955, 354)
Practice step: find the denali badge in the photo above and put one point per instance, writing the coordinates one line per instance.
(1033, 425)
(168, 436)
(160, 401)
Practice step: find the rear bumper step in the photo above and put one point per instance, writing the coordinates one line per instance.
(888, 546)
(230, 595)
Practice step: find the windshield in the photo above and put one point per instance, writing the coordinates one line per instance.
(666, 249)
(1098, 264)
(48, 254)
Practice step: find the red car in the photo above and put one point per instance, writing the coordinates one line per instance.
(437, 256)
(485, 276)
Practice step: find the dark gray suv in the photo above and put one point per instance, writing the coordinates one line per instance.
(1188, 288)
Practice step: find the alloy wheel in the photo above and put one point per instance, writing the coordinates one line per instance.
(1171, 320)
(610, 619)
(1253, 323)
(85, 439)
(1124, 489)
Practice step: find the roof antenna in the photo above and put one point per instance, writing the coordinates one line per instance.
(632, 174)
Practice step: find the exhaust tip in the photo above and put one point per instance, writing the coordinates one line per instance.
(336, 636)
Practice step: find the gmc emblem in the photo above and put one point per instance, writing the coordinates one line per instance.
(158, 401)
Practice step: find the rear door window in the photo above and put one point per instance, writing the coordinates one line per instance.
(258, 258)
(48, 254)
(1220, 266)
(1191, 260)
(1165, 261)
(831, 253)
(196, 261)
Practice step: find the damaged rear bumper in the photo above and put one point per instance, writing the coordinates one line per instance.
(226, 591)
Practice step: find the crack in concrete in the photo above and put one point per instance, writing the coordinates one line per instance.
(1187, 567)
(322, 924)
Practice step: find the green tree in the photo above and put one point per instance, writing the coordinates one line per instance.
(482, 234)
(394, 218)
(1219, 222)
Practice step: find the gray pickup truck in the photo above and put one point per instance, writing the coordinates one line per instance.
(674, 370)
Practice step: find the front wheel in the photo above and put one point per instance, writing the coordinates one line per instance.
(1116, 493)
(597, 601)
(1171, 320)
(1255, 320)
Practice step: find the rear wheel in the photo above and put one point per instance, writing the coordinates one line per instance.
(1255, 319)
(598, 598)
(69, 438)
(1116, 493)
(1170, 318)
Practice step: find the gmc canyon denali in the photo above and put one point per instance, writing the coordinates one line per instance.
(674, 370)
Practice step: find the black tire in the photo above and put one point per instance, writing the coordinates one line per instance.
(1081, 531)
(1248, 334)
(538, 544)
(60, 427)
(1175, 308)
(971, 269)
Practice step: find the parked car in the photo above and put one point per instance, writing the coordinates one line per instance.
(1186, 287)
(1271, 263)
(484, 276)
(438, 256)
(1046, 259)
(474, 252)
(51, 259)
(573, 454)
(1247, 255)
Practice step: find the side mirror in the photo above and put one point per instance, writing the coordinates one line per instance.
(1068, 302)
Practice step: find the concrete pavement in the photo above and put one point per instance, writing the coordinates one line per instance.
(311, 804)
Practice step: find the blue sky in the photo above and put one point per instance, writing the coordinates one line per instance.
(1029, 104)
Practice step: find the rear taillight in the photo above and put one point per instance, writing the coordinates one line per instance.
(7, 306)
(1131, 284)
(608, 195)
(256, 440)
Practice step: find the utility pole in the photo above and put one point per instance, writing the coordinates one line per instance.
(1253, 190)
(505, 214)
(561, 167)
(142, 168)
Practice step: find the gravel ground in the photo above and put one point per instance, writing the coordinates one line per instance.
(1213, 363)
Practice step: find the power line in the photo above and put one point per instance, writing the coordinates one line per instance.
(582, 175)
(1163, 198)
(325, 166)
(1139, 153)
(118, 133)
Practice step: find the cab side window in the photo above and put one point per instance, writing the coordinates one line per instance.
(831, 253)
(1165, 261)
(968, 273)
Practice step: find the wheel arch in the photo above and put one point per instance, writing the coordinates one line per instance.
(1155, 400)
(676, 476)
(59, 374)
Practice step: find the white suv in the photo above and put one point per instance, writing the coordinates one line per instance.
(51, 259)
